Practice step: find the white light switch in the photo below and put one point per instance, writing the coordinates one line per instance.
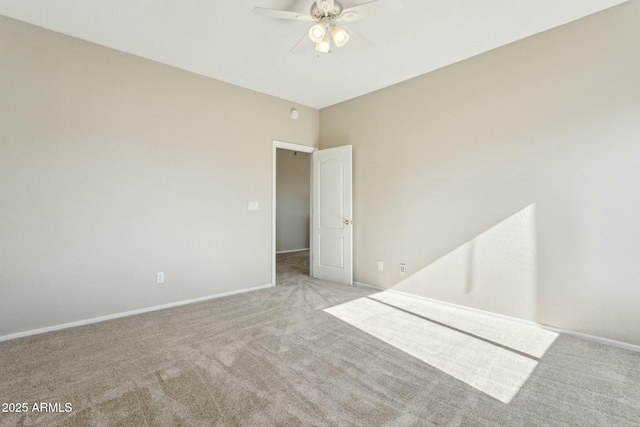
(253, 206)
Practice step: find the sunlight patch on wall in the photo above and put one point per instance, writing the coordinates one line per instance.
(495, 356)
(496, 271)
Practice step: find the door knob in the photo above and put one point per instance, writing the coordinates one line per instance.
(347, 222)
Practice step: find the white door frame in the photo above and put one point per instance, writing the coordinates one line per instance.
(292, 147)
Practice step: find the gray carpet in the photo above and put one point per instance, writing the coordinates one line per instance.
(274, 357)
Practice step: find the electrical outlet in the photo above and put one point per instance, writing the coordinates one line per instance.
(403, 269)
(160, 277)
(380, 265)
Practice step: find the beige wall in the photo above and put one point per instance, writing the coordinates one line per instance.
(509, 182)
(293, 199)
(113, 168)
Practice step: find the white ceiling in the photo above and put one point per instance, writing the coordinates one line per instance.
(226, 41)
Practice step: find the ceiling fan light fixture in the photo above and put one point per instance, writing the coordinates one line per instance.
(324, 45)
(318, 32)
(339, 35)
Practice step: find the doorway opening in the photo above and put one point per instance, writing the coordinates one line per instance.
(291, 202)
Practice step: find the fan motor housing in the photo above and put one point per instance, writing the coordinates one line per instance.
(318, 13)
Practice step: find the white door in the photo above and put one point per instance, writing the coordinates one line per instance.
(331, 229)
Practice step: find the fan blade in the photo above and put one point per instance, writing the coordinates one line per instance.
(360, 36)
(305, 36)
(356, 13)
(368, 9)
(281, 14)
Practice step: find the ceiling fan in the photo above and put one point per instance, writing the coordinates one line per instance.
(326, 14)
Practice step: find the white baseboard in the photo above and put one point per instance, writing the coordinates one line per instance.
(594, 338)
(126, 313)
(292, 250)
(364, 285)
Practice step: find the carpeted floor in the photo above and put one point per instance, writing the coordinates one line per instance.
(274, 357)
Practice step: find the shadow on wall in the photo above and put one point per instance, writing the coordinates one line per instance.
(496, 271)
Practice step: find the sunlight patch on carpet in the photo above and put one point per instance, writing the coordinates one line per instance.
(495, 356)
